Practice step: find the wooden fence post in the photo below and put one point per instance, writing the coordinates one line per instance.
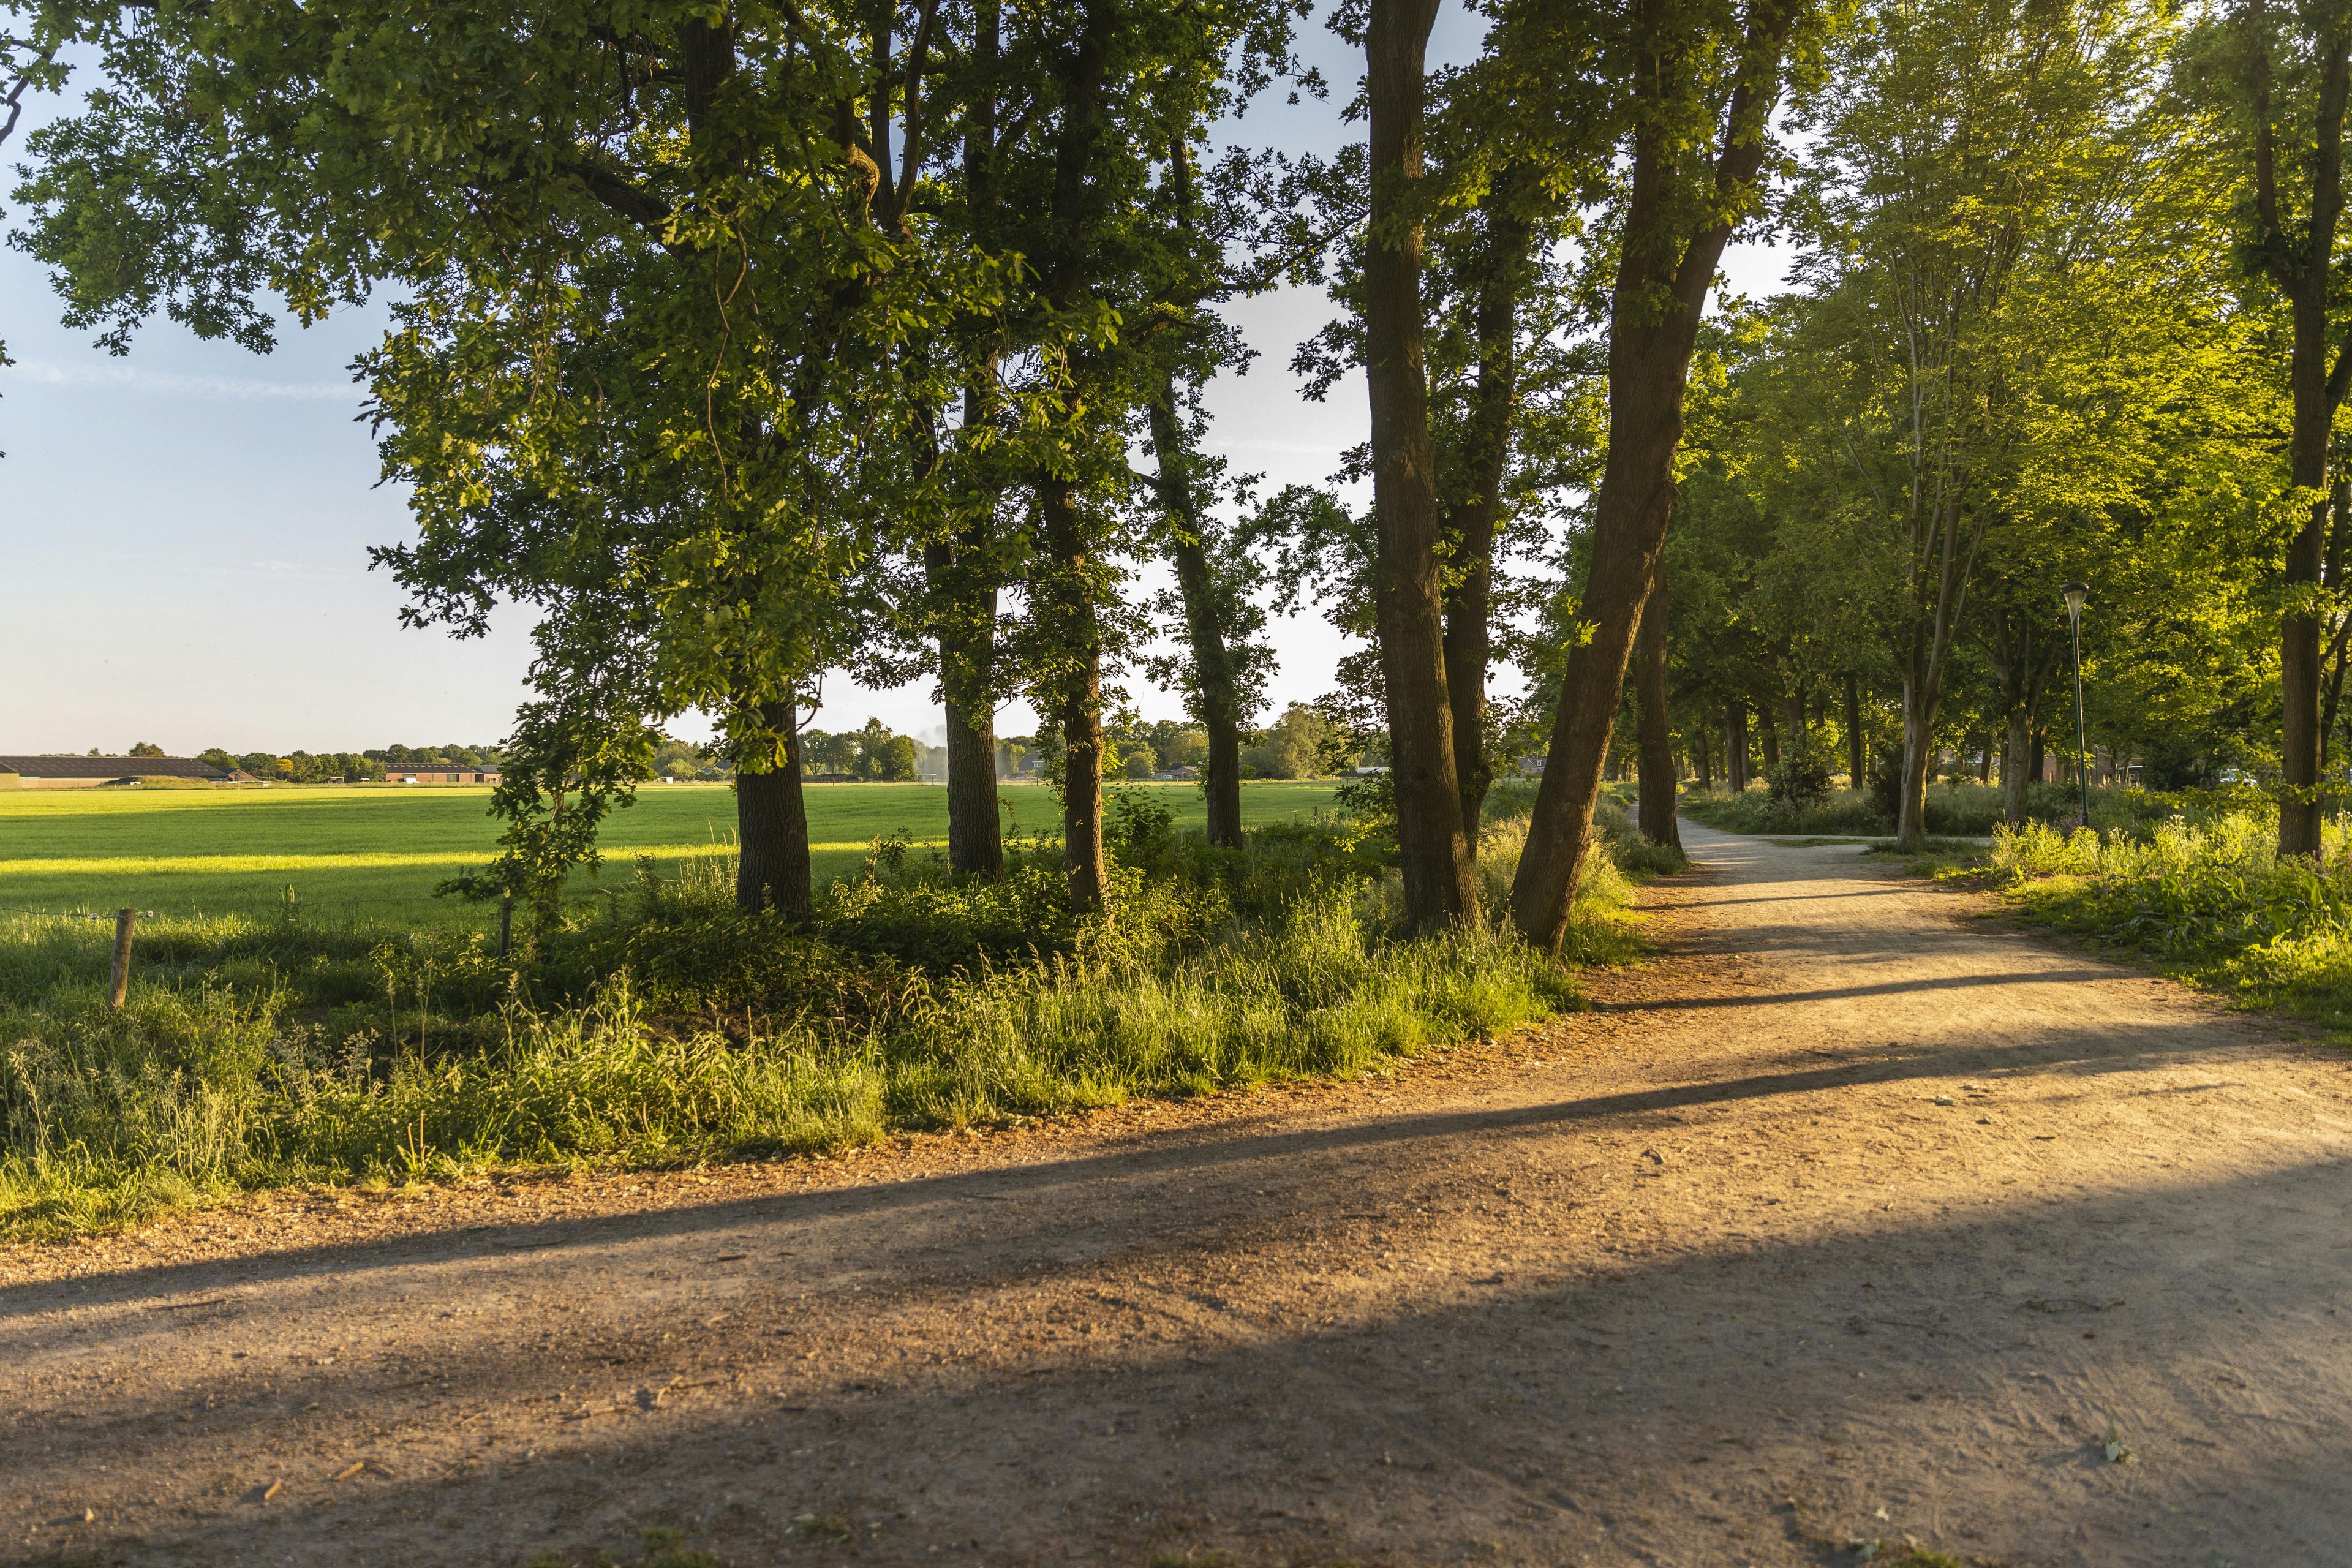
(506, 923)
(119, 985)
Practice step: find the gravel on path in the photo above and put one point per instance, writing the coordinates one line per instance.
(1853, 1217)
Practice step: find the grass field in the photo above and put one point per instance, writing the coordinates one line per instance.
(376, 854)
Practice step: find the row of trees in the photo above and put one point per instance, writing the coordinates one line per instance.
(338, 767)
(747, 342)
(2059, 318)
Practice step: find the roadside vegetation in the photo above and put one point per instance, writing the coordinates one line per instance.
(2205, 895)
(1955, 808)
(662, 1025)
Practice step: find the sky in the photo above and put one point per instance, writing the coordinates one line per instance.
(185, 531)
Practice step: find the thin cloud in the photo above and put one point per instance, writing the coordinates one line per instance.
(170, 384)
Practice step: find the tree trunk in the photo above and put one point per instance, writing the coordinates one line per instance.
(1434, 848)
(1660, 778)
(2300, 666)
(1701, 757)
(1735, 748)
(968, 675)
(1215, 701)
(1793, 707)
(1659, 293)
(961, 575)
(1469, 603)
(2017, 768)
(1769, 735)
(772, 833)
(1854, 759)
(1921, 698)
(1063, 602)
(2339, 640)
(1074, 631)
(2301, 260)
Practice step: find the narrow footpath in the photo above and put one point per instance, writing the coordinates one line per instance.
(1855, 1217)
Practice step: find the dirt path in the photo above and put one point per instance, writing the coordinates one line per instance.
(1855, 1217)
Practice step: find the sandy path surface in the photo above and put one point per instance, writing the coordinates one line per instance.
(1853, 1216)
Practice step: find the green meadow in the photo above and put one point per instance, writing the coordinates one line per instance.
(376, 853)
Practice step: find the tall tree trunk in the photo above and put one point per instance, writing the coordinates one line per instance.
(1469, 603)
(772, 835)
(1216, 702)
(1434, 848)
(1063, 602)
(1664, 272)
(1921, 695)
(1702, 757)
(960, 585)
(1660, 780)
(961, 572)
(1769, 735)
(2300, 665)
(1854, 763)
(2300, 258)
(1074, 631)
(2339, 636)
(2017, 766)
(1735, 748)
(1793, 707)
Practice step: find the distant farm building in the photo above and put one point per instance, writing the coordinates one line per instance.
(88, 773)
(441, 775)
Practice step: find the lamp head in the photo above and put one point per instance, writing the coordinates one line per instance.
(2075, 594)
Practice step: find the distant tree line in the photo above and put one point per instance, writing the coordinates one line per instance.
(340, 767)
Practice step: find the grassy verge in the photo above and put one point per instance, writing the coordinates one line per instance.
(663, 1028)
(2207, 902)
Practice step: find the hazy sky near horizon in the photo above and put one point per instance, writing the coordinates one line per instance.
(186, 528)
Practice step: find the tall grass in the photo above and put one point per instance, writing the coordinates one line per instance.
(667, 1029)
(2211, 900)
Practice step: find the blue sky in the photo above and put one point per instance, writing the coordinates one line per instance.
(186, 528)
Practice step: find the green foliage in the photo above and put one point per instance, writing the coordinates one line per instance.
(2207, 896)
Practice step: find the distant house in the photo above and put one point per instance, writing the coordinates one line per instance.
(88, 772)
(442, 775)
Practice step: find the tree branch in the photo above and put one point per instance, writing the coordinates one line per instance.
(918, 57)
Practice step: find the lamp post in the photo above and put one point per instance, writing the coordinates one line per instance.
(2075, 593)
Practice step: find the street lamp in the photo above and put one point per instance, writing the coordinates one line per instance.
(2075, 593)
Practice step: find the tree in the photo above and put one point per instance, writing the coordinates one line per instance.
(2292, 77)
(881, 756)
(145, 749)
(1434, 848)
(1693, 86)
(645, 379)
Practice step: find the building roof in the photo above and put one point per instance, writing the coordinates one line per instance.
(111, 768)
